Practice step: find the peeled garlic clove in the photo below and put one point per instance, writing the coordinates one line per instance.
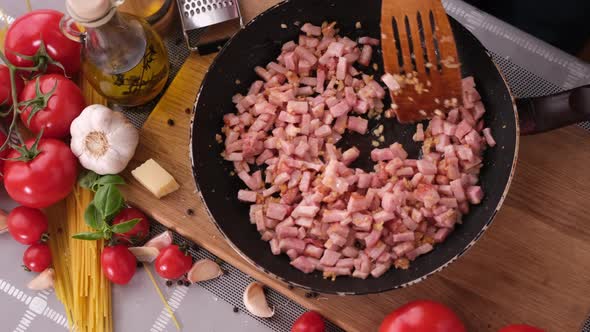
(3, 221)
(255, 301)
(160, 241)
(145, 254)
(42, 281)
(203, 270)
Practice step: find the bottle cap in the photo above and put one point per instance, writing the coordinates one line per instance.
(84, 11)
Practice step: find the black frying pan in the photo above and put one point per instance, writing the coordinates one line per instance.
(260, 42)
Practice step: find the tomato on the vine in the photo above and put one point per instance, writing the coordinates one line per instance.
(37, 257)
(27, 225)
(42, 174)
(310, 321)
(422, 316)
(118, 264)
(521, 328)
(172, 262)
(5, 86)
(28, 32)
(60, 101)
(138, 233)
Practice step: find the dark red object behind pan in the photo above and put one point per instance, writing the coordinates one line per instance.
(260, 42)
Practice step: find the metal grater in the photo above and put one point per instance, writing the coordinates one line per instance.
(198, 17)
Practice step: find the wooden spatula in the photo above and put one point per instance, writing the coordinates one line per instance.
(419, 50)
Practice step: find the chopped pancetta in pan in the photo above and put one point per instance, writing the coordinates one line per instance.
(308, 202)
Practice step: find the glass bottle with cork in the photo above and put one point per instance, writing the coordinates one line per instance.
(123, 58)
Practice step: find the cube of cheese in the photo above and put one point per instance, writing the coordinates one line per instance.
(155, 178)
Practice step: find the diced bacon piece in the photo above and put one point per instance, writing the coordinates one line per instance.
(403, 237)
(426, 167)
(274, 246)
(310, 81)
(443, 142)
(340, 109)
(255, 87)
(335, 49)
(421, 250)
(449, 202)
(277, 211)
(453, 168)
(383, 216)
(381, 154)
(405, 171)
(403, 248)
(285, 232)
(427, 194)
(398, 151)
(358, 124)
(292, 244)
(276, 67)
(304, 222)
(391, 82)
(478, 110)
(436, 126)
(419, 135)
(362, 222)
(350, 155)
(473, 139)
(357, 203)
(300, 107)
(378, 89)
(291, 60)
(341, 68)
(464, 152)
(487, 134)
(306, 55)
(350, 252)
(474, 194)
(247, 196)
(289, 118)
(323, 131)
(250, 181)
(364, 181)
(359, 274)
(366, 54)
(292, 253)
(270, 191)
(446, 219)
(361, 106)
(365, 40)
(372, 239)
(311, 29)
(263, 73)
(235, 156)
(409, 223)
(330, 257)
(305, 182)
(462, 129)
(334, 215)
(340, 124)
(303, 264)
(281, 178)
(304, 67)
(350, 96)
(376, 250)
(380, 269)
(345, 262)
(321, 78)
(288, 46)
(305, 211)
(441, 234)
(449, 128)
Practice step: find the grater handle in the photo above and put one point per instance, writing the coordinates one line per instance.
(540, 114)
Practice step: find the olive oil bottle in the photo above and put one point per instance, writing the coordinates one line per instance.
(123, 58)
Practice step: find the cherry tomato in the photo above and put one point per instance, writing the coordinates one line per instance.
(37, 257)
(43, 180)
(24, 36)
(521, 328)
(27, 225)
(310, 321)
(173, 263)
(5, 87)
(139, 232)
(422, 316)
(55, 112)
(118, 264)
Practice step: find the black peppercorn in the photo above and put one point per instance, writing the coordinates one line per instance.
(236, 309)
(308, 295)
(290, 287)
(168, 283)
(187, 283)
(190, 212)
(170, 122)
(180, 282)
(187, 110)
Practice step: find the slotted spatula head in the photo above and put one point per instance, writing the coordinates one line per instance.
(419, 50)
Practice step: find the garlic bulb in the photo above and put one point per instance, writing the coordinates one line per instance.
(255, 301)
(103, 140)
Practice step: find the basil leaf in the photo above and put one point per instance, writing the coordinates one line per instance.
(88, 179)
(108, 200)
(125, 227)
(89, 236)
(109, 179)
(93, 217)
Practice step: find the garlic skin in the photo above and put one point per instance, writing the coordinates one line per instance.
(103, 140)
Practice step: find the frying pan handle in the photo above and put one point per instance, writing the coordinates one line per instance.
(540, 114)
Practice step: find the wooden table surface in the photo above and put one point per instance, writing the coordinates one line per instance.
(530, 266)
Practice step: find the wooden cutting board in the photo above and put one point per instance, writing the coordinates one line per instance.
(531, 266)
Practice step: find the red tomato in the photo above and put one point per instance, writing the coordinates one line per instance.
(139, 232)
(173, 263)
(5, 88)
(27, 225)
(422, 316)
(37, 257)
(45, 179)
(521, 328)
(25, 35)
(55, 113)
(118, 264)
(310, 321)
